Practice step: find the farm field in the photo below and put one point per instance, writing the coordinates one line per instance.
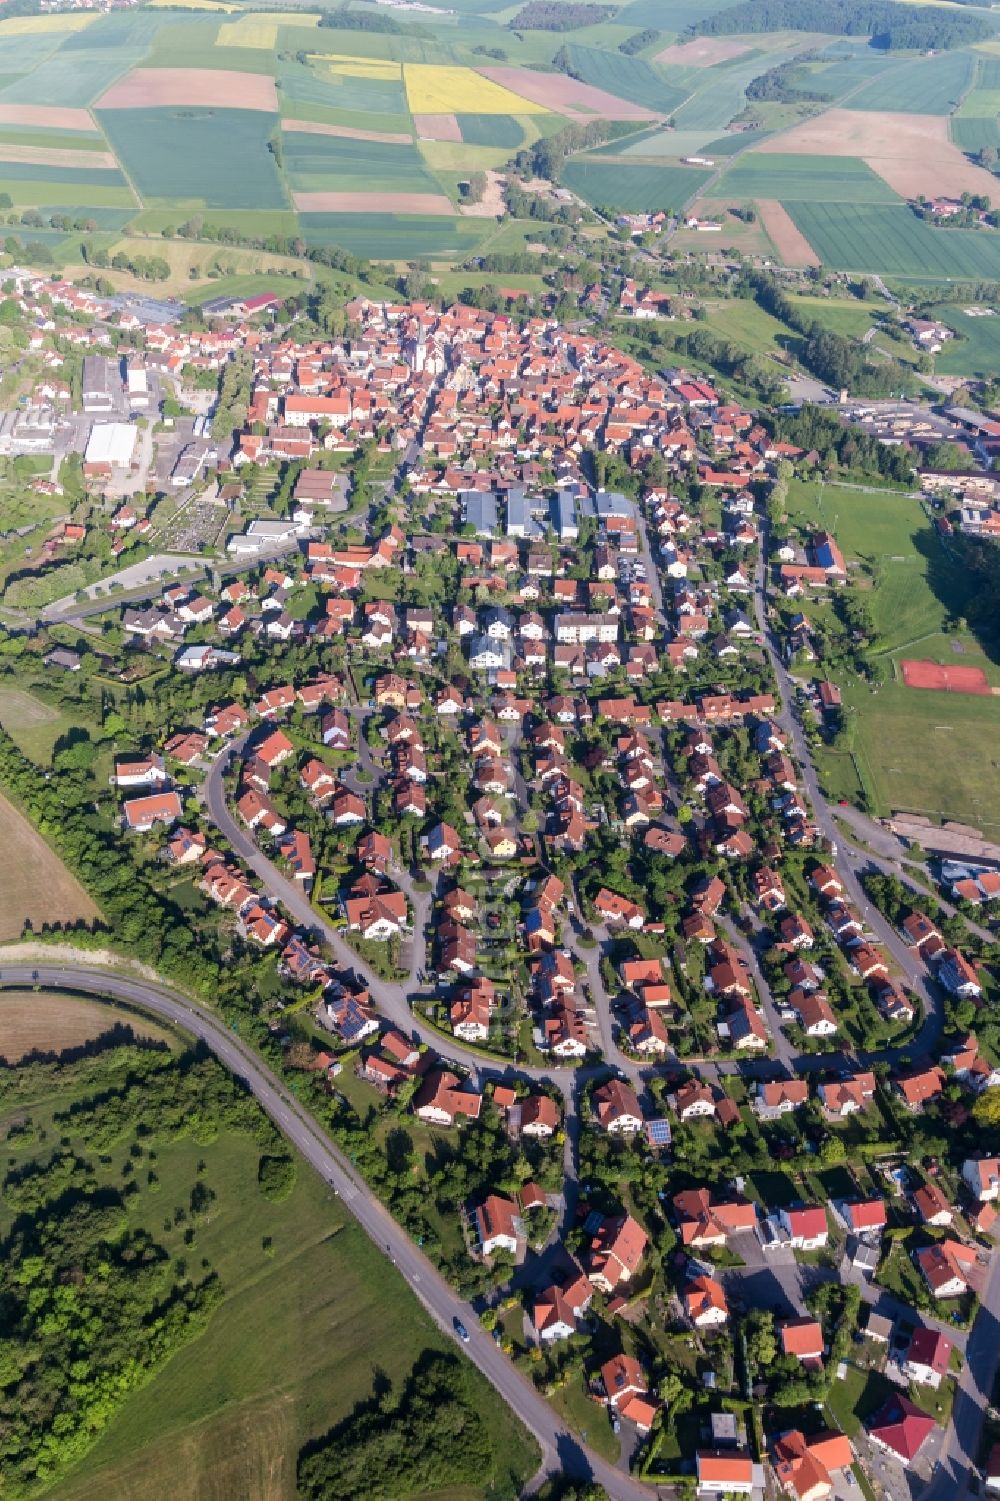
(395, 237)
(928, 86)
(218, 158)
(35, 885)
(309, 1314)
(633, 187)
(890, 239)
(804, 179)
(39, 1022)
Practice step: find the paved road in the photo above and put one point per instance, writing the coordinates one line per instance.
(849, 861)
(562, 1453)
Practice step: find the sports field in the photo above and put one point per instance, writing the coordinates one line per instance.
(34, 884)
(943, 678)
(890, 239)
(933, 753)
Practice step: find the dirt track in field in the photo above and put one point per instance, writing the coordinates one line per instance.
(790, 243)
(349, 132)
(191, 88)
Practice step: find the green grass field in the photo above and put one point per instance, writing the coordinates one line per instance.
(890, 239)
(62, 196)
(743, 322)
(845, 316)
(972, 134)
(490, 130)
(218, 158)
(316, 163)
(917, 749)
(34, 725)
(928, 86)
(933, 753)
(396, 237)
(804, 179)
(976, 350)
(633, 188)
(294, 1345)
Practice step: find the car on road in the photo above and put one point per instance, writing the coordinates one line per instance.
(461, 1331)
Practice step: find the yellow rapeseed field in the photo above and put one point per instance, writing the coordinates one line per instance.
(379, 68)
(25, 25)
(261, 29)
(433, 90)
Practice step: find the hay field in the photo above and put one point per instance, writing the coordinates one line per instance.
(34, 883)
(46, 1022)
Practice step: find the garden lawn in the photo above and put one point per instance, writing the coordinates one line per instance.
(586, 1417)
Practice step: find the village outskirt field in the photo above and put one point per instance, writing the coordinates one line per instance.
(367, 137)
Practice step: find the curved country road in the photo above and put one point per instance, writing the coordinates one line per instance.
(562, 1453)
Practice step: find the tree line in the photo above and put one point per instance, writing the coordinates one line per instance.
(890, 25)
(831, 357)
(427, 1436)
